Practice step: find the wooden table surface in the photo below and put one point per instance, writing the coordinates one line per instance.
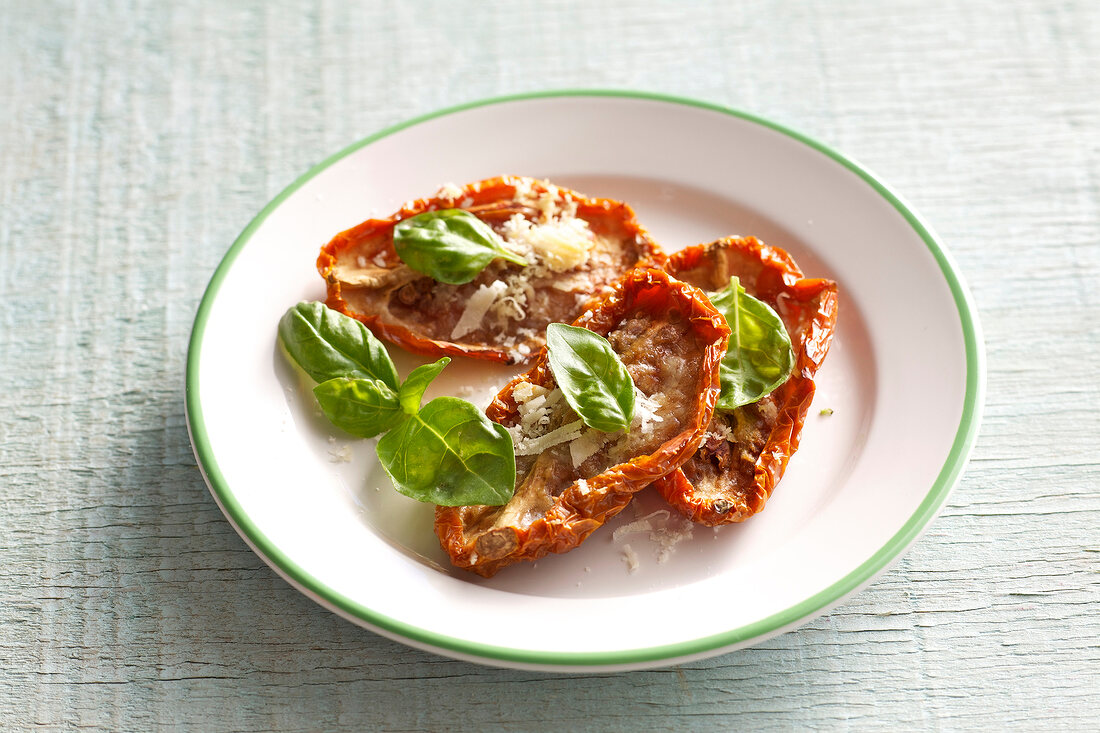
(137, 139)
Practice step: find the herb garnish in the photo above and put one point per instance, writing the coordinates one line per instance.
(446, 452)
(591, 376)
(759, 356)
(450, 245)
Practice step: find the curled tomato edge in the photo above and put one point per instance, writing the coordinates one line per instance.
(794, 396)
(576, 513)
(480, 193)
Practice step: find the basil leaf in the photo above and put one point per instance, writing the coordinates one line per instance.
(593, 379)
(418, 380)
(449, 453)
(446, 453)
(450, 245)
(362, 407)
(328, 344)
(759, 357)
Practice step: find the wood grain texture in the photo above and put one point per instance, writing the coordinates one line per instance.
(138, 139)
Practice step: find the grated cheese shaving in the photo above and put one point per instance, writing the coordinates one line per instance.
(581, 449)
(533, 414)
(556, 243)
(630, 558)
(562, 243)
(523, 190)
(535, 410)
(719, 429)
(511, 305)
(661, 532)
(477, 306)
(549, 203)
(668, 537)
(533, 446)
(645, 410)
(525, 391)
(448, 192)
(645, 417)
(639, 525)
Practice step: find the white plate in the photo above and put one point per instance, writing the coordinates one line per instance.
(904, 378)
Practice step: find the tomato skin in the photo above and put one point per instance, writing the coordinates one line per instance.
(581, 509)
(808, 308)
(493, 200)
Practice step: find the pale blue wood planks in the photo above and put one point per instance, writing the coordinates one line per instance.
(136, 141)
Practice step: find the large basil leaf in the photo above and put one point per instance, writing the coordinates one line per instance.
(449, 453)
(418, 380)
(362, 407)
(759, 357)
(590, 374)
(450, 245)
(327, 344)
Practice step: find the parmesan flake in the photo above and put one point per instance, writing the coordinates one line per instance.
(630, 558)
(662, 533)
(719, 429)
(581, 449)
(639, 525)
(645, 410)
(563, 244)
(533, 446)
(525, 391)
(668, 537)
(448, 192)
(476, 308)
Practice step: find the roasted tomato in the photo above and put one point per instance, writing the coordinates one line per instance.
(576, 248)
(745, 452)
(571, 479)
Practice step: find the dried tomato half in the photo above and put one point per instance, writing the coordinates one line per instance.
(577, 248)
(571, 479)
(745, 452)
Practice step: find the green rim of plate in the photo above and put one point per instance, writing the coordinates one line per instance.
(948, 476)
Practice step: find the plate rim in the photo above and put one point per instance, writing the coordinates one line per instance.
(796, 615)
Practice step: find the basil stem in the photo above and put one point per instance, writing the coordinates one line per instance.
(418, 380)
(362, 407)
(759, 357)
(328, 344)
(450, 245)
(450, 454)
(590, 374)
